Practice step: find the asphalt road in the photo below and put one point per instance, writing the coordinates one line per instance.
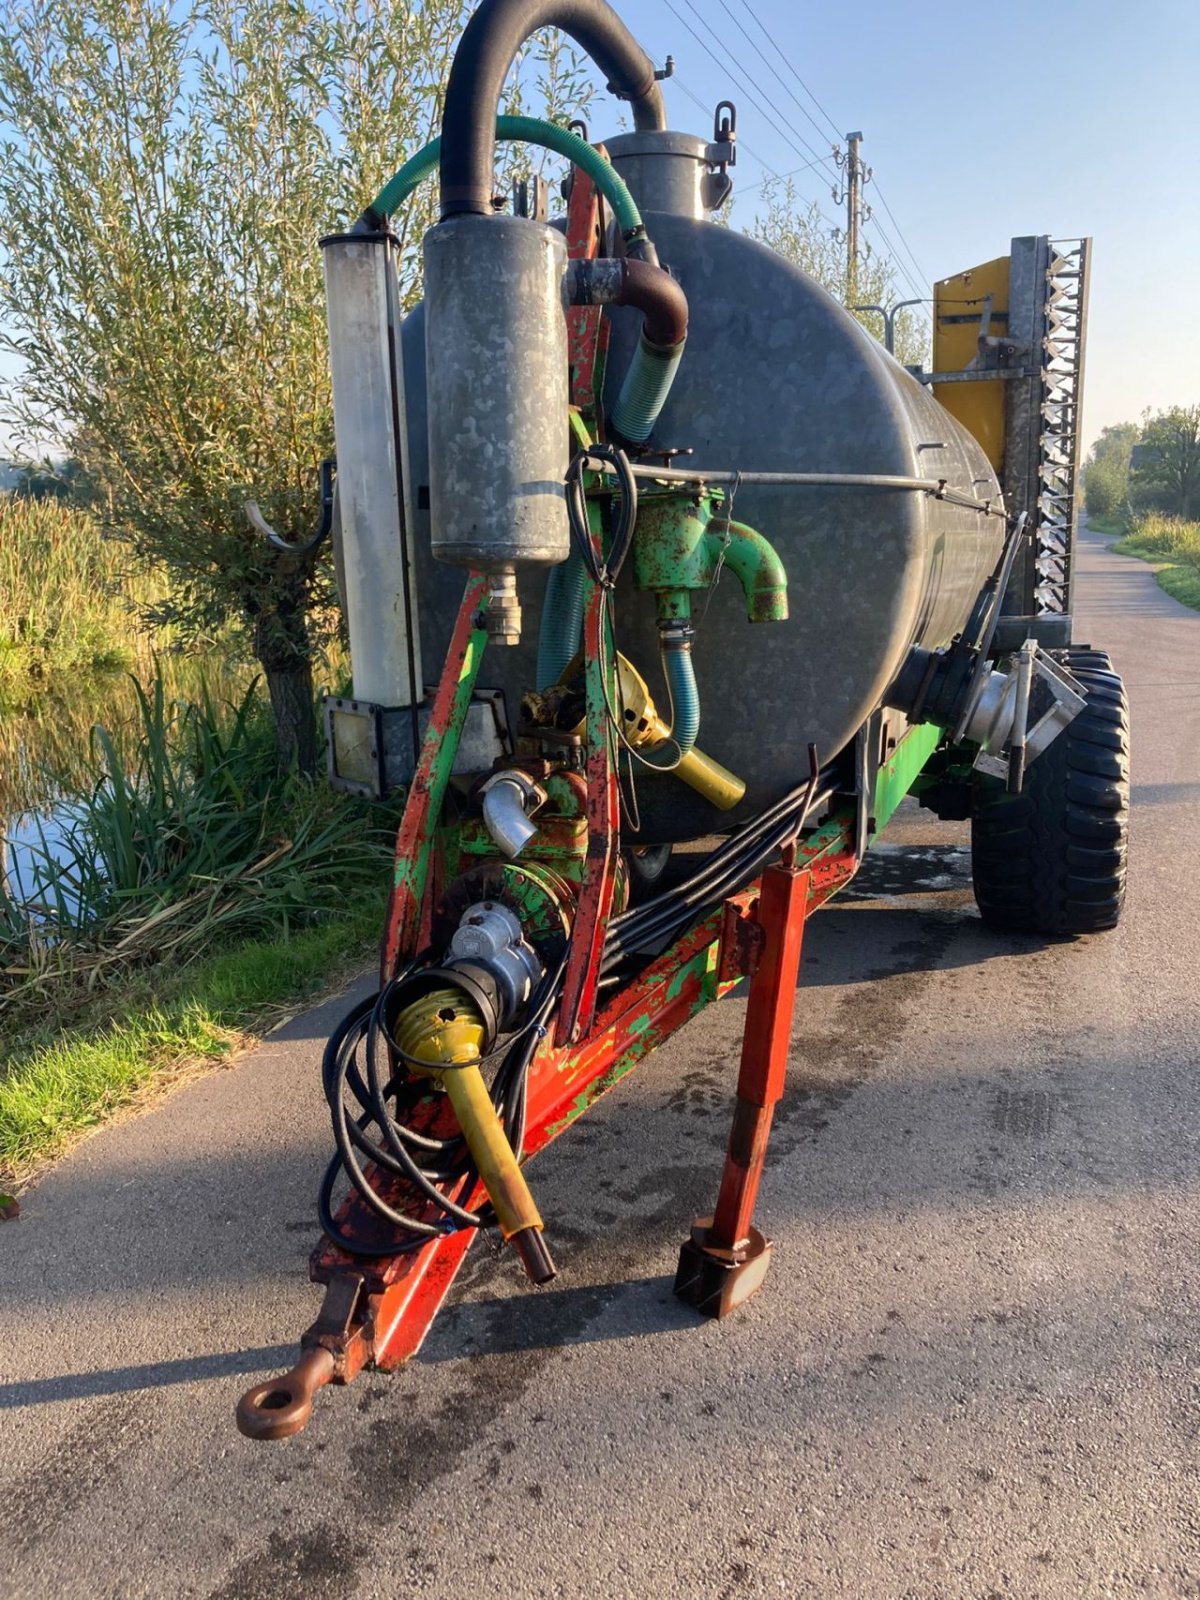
(972, 1371)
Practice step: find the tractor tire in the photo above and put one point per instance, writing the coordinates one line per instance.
(1051, 859)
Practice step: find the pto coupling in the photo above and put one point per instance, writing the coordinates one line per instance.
(443, 1023)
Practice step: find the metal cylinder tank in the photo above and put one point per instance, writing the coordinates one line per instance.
(777, 377)
(496, 386)
(666, 172)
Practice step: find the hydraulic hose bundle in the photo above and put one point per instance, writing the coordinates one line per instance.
(374, 1087)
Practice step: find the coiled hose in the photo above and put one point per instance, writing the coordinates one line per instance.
(352, 1069)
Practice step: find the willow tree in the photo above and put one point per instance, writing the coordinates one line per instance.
(169, 166)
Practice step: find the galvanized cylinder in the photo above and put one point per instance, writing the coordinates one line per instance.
(666, 172)
(496, 378)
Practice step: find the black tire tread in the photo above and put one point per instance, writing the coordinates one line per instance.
(1052, 859)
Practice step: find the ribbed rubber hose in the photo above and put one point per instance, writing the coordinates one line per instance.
(489, 45)
(685, 706)
(562, 618)
(645, 389)
(528, 130)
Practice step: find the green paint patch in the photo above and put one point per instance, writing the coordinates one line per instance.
(902, 770)
(675, 987)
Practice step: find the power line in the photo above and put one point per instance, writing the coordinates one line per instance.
(917, 284)
(780, 176)
(897, 261)
(805, 147)
(777, 49)
(741, 75)
(769, 64)
(787, 63)
(920, 270)
(741, 143)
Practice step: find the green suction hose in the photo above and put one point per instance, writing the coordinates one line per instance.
(562, 619)
(529, 130)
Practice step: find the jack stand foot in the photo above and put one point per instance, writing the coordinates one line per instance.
(717, 1281)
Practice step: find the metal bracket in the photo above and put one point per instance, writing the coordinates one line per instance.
(1010, 744)
(372, 750)
(742, 941)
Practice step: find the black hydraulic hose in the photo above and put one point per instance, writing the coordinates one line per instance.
(718, 863)
(486, 51)
(729, 868)
(405, 1153)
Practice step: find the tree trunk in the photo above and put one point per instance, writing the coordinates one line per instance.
(291, 691)
(281, 647)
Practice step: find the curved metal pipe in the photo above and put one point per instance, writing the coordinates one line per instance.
(485, 53)
(757, 567)
(504, 801)
(621, 281)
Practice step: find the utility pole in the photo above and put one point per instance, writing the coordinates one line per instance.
(853, 209)
(857, 176)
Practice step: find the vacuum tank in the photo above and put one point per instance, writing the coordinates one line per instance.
(777, 377)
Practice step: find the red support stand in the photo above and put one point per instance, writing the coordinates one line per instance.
(726, 1258)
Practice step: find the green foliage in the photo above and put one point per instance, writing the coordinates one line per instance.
(1166, 470)
(1105, 488)
(796, 229)
(184, 843)
(1173, 541)
(1159, 538)
(1106, 472)
(169, 166)
(55, 1085)
(67, 604)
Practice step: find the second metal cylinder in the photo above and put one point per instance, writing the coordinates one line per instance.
(497, 382)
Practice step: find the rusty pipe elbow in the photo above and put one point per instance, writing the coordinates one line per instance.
(623, 281)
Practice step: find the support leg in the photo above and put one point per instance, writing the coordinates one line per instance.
(726, 1258)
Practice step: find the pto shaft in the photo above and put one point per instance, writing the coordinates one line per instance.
(501, 1175)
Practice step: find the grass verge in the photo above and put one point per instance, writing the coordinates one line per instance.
(1174, 547)
(1114, 527)
(1181, 583)
(55, 1087)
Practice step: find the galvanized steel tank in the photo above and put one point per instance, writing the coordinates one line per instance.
(776, 377)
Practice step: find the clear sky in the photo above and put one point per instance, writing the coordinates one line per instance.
(984, 122)
(981, 123)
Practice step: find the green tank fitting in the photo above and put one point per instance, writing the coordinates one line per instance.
(758, 569)
(681, 543)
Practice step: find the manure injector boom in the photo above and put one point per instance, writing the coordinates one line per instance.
(659, 439)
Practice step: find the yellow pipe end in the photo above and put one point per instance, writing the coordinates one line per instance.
(716, 783)
(493, 1155)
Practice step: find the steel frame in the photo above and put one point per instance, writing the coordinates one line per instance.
(378, 1309)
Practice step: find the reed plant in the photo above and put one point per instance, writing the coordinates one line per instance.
(68, 602)
(1161, 538)
(1172, 543)
(187, 840)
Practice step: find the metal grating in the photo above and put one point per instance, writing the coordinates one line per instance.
(1064, 321)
